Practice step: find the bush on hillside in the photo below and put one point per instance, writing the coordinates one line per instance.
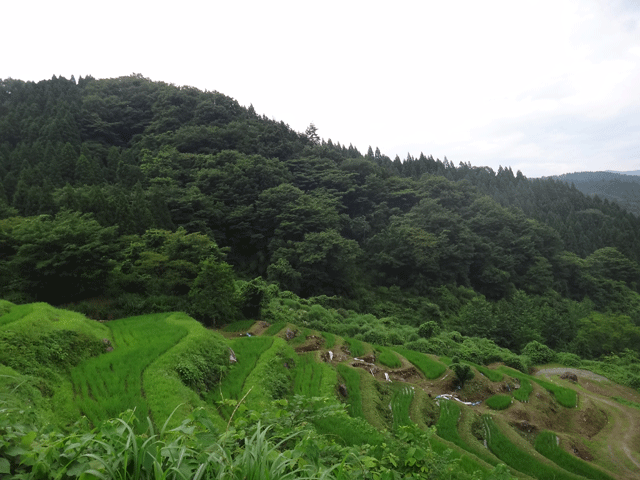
(538, 353)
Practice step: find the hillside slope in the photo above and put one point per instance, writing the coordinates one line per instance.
(306, 374)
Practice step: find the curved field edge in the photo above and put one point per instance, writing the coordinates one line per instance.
(430, 368)
(164, 389)
(518, 458)
(566, 397)
(546, 444)
(111, 383)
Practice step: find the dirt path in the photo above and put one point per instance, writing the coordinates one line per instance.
(623, 430)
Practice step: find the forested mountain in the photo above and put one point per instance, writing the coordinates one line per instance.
(620, 187)
(156, 197)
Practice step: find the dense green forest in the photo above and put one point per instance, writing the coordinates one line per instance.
(123, 197)
(623, 188)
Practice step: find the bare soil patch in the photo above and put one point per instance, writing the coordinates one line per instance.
(259, 327)
(311, 344)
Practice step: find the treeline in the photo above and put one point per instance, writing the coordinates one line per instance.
(152, 196)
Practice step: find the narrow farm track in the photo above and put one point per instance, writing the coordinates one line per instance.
(624, 428)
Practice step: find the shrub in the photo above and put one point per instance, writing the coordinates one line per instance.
(429, 329)
(568, 359)
(518, 362)
(463, 372)
(538, 353)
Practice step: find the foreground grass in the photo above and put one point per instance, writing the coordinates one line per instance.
(430, 368)
(109, 384)
(546, 444)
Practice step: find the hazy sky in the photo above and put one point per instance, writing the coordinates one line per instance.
(545, 87)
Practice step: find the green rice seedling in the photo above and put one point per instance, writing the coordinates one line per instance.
(547, 444)
(447, 428)
(112, 383)
(164, 380)
(492, 375)
(247, 350)
(400, 404)
(304, 375)
(300, 338)
(430, 368)
(352, 382)
(271, 377)
(499, 402)
(330, 339)
(388, 358)
(240, 326)
(356, 347)
(522, 393)
(565, 396)
(275, 328)
(518, 459)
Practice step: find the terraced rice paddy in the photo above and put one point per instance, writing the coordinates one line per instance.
(447, 428)
(313, 379)
(492, 375)
(565, 396)
(515, 457)
(247, 350)
(356, 347)
(547, 444)
(275, 328)
(430, 368)
(499, 402)
(109, 384)
(352, 382)
(400, 404)
(330, 339)
(388, 358)
(522, 394)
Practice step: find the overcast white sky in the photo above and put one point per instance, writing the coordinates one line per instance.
(545, 87)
